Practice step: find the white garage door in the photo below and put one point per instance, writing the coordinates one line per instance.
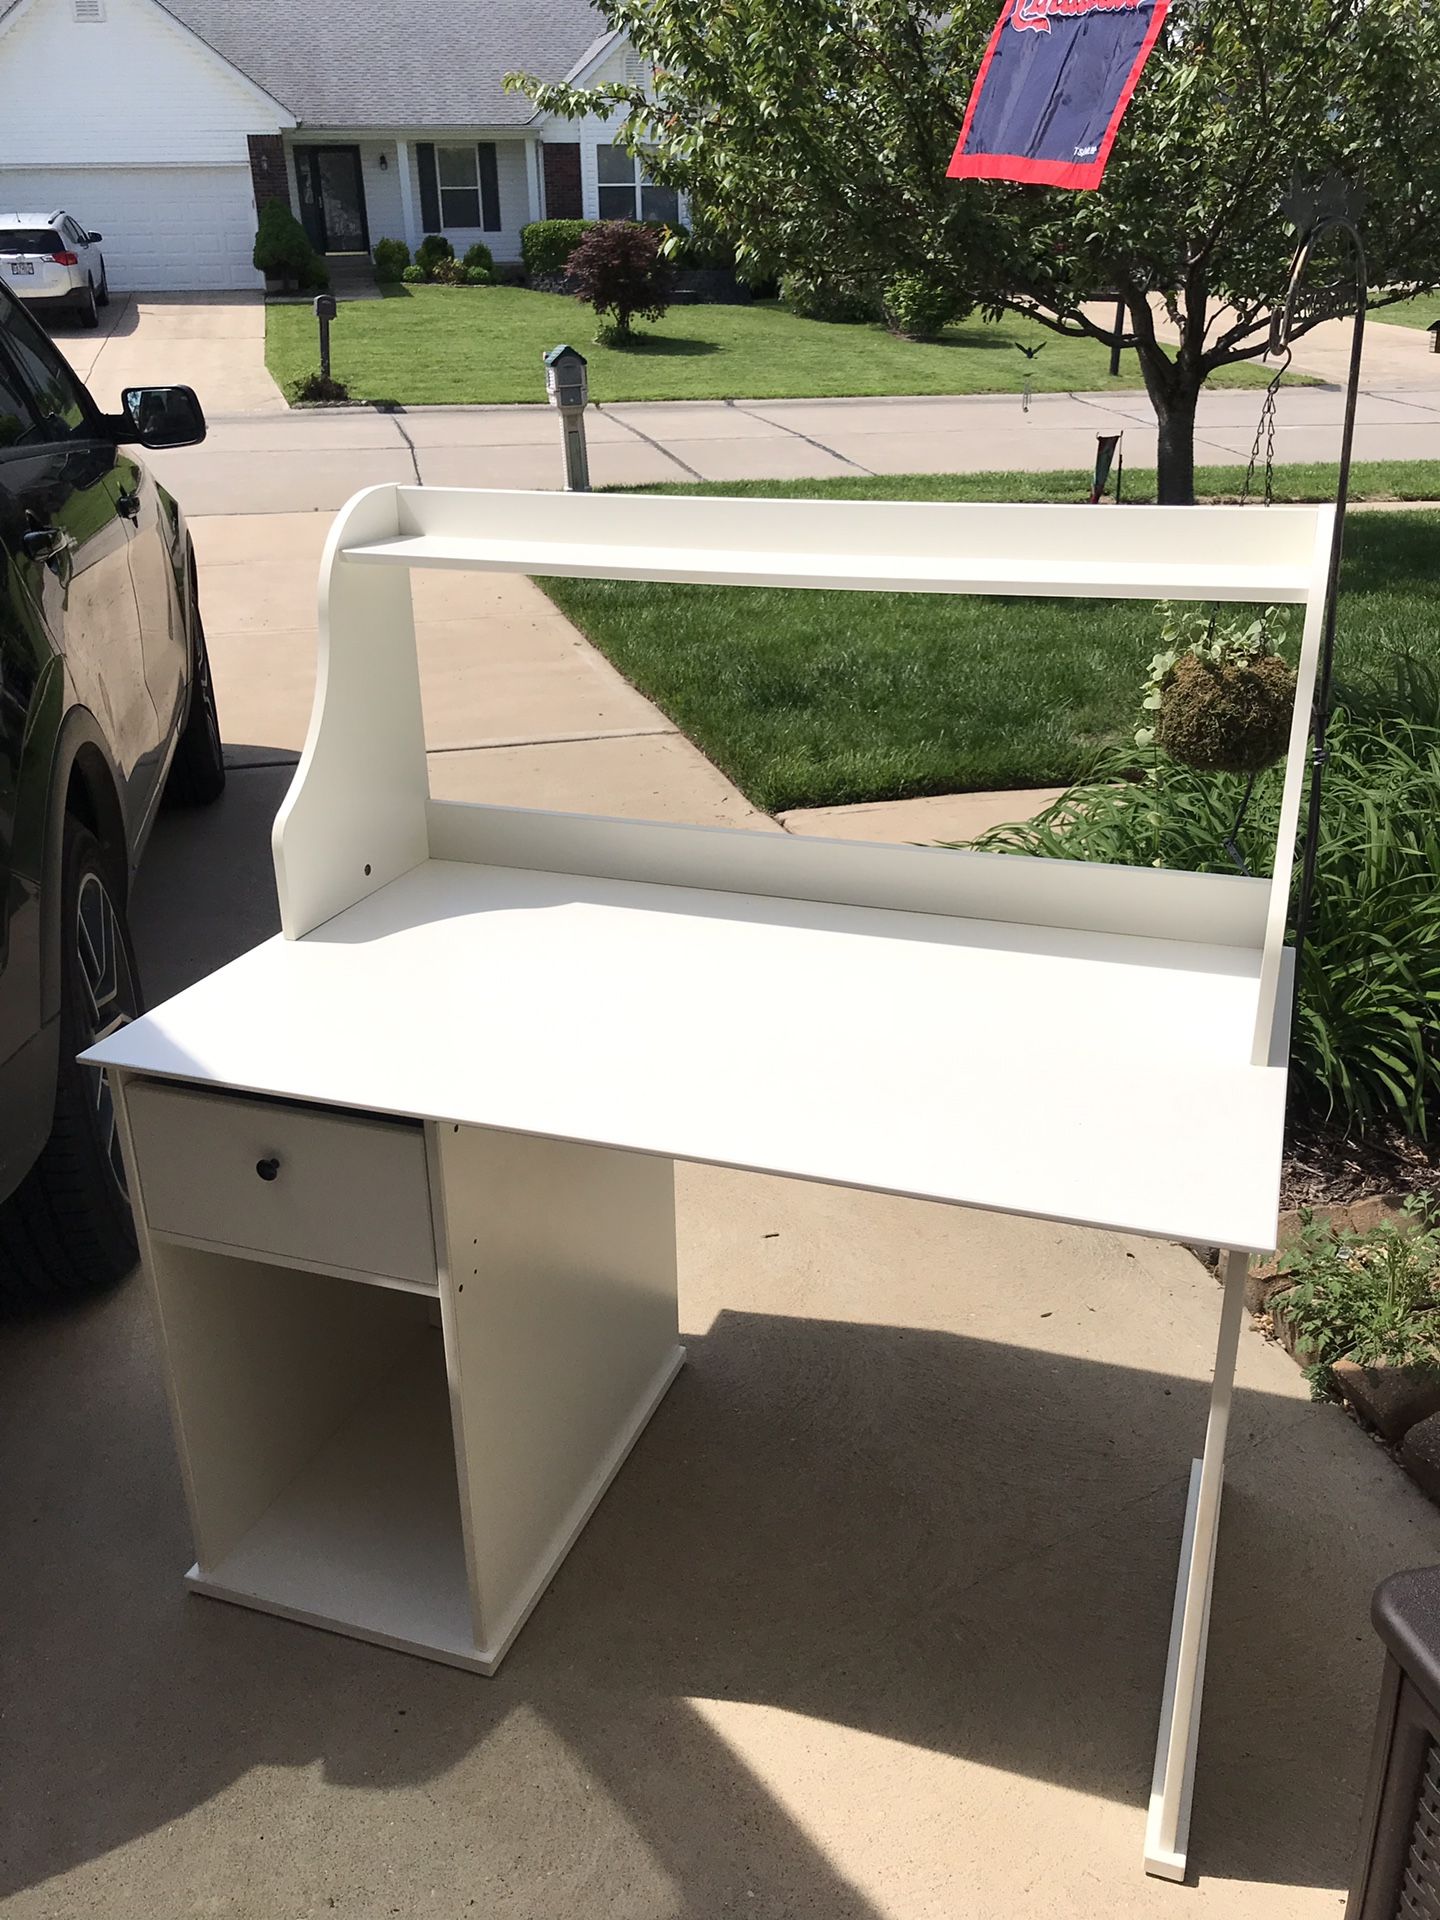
(174, 228)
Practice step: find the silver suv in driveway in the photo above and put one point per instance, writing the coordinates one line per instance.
(53, 262)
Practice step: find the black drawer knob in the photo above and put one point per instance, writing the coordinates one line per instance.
(268, 1169)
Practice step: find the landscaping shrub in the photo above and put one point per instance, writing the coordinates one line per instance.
(448, 273)
(391, 259)
(413, 276)
(618, 270)
(916, 308)
(1372, 1297)
(477, 276)
(834, 300)
(431, 251)
(479, 255)
(283, 250)
(545, 245)
(315, 389)
(1366, 1045)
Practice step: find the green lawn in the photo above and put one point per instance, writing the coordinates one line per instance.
(427, 345)
(818, 699)
(1418, 312)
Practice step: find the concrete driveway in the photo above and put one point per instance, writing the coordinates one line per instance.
(872, 1625)
(213, 342)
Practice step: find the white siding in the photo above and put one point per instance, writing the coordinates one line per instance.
(514, 202)
(133, 89)
(620, 66)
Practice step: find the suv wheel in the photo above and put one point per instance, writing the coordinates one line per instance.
(102, 299)
(67, 1228)
(197, 773)
(86, 310)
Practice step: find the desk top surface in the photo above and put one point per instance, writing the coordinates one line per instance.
(1097, 1078)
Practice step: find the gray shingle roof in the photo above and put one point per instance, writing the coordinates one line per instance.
(375, 63)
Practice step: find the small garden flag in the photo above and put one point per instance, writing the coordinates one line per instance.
(1055, 80)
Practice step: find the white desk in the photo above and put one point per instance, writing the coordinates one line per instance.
(454, 1089)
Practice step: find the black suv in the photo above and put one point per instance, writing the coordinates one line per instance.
(105, 705)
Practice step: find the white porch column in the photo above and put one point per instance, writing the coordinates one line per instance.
(413, 235)
(532, 180)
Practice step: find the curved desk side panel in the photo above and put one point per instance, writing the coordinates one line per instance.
(354, 817)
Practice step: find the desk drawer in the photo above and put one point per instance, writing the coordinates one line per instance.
(297, 1183)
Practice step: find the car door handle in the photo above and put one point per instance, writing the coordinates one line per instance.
(44, 543)
(128, 504)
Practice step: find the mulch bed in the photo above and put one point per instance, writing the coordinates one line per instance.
(1327, 1169)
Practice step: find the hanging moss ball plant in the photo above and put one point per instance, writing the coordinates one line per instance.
(1233, 718)
(1221, 697)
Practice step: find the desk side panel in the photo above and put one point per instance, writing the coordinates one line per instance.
(561, 1320)
(354, 818)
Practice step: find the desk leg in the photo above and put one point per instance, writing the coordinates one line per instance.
(1173, 1782)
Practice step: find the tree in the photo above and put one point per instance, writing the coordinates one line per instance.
(815, 133)
(618, 270)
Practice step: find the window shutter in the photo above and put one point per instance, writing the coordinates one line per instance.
(489, 187)
(429, 186)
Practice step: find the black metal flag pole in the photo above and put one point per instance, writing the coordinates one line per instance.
(1324, 210)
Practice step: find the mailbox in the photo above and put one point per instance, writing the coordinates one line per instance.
(324, 306)
(566, 385)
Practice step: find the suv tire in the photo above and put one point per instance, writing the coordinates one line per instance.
(67, 1229)
(86, 310)
(197, 773)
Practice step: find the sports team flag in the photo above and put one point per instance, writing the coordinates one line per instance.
(1055, 80)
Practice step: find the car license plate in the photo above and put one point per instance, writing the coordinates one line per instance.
(22, 266)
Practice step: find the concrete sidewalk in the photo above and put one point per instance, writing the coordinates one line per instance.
(315, 459)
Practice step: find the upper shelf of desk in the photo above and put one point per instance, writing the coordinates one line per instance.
(1221, 553)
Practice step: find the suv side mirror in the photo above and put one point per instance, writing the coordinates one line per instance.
(94, 239)
(161, 417)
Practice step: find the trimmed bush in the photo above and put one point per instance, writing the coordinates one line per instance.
(916, 308)
(545, 245)
(479, 256)
(619, 271)
(477, 276)
(448, 273)
(413, 276)
(839, 301)
(391, 259)
(318, 389)
(283, 250)
(431, 251)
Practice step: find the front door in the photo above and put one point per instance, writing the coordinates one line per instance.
(332, 199)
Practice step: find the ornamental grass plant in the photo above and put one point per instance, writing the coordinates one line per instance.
(1366, 1046)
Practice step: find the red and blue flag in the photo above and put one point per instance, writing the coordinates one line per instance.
(1054, 83)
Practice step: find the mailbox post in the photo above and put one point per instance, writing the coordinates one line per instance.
(567, 389)
(325, 313)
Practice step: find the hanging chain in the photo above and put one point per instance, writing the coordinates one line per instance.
(1265, 431)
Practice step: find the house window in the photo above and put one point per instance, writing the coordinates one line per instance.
(459, 172)
(628, 193)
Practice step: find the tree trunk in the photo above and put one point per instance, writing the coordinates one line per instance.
(1175, 452)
